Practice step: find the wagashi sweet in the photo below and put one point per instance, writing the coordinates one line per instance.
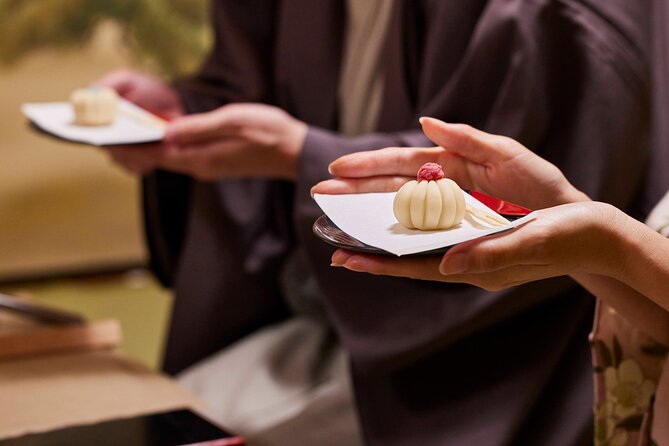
(94, 106)
(430, 202)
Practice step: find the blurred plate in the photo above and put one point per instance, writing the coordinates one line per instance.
(133, 124)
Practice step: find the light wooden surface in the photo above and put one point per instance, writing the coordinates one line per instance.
(94, 335)
(55, 376)
(50, 392)
(134, 299)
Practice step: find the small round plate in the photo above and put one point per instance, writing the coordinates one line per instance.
(330, 233)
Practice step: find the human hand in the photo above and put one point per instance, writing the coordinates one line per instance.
(138, 159)
(152, 94)
(236, 140)
(576, 237)
(145, 90)
(493, 164)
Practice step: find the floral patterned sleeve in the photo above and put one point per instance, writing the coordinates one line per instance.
(631, 373)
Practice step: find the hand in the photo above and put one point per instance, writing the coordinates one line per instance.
(493, 164)
(576, 237)
(236, 140)
(145, 90)
(138, 159)
(152, 94)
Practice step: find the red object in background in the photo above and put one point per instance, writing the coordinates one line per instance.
(500, 206)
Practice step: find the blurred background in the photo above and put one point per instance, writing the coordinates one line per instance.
(70, 222)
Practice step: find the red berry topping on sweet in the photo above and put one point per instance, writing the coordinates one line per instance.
(430, 172)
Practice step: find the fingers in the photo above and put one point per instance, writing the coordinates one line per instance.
(205, 162)
(359, 185)
(421, 268)
(504, 278)
(197, 128)
(226, 121)
(521, 246)
(426, 268)
(216, 159)
(468, 142)
(138, 160)
(120, 80)
(397, 162)
(481, 256)
(401, 161)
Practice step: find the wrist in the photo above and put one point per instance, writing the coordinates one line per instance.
(643, 263)
(293, 142)
(618, 249)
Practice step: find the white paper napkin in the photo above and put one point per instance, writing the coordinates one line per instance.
(369, 218)
(134, 125)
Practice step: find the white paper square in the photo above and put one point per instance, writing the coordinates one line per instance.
(133, 125)
(369, 218)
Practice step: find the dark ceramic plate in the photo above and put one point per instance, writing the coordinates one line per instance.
(330, 233)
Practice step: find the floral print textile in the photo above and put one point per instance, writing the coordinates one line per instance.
(631, 373)
(628, 365)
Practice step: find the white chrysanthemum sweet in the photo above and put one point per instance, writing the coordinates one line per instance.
(94, 106)
(430, 203)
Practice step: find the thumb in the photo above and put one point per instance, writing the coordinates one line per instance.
(202, 127)
(495, 252)
(193, 129)
(466, 141)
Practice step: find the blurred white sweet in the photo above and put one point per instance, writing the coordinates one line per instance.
(430, 203)
(94, 106)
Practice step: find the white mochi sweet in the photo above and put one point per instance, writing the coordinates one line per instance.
(95, 106)
(430, 205)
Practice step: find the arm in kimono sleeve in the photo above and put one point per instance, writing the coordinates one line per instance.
(239, 67)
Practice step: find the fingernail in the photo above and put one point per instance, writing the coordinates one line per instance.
(336, 265)
(453, 264)
(421, 120)
(340, 257)
(330, 169)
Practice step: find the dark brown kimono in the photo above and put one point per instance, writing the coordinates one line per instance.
(433, 364)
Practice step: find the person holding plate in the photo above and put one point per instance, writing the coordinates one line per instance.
(619, 260)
